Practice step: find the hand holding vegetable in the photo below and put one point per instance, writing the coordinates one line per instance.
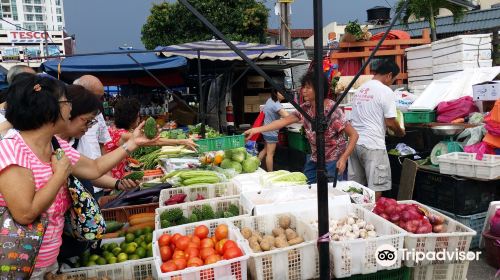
(127, 184)
(139, 139)
(189, 143)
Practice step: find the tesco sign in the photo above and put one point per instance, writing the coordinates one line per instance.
(27, 36)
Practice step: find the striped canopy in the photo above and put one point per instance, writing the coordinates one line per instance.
(217, 50)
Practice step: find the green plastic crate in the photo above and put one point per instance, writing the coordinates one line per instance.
(403, 273)
(298, 142)
(420, 117)
(220, 143)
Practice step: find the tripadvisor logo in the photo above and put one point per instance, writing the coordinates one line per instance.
(386, 255)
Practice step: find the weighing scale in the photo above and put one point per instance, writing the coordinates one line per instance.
(449, 145)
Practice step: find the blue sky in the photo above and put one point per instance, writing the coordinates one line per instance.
(105, 25)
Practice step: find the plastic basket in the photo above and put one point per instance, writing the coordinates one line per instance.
(296, 262)
(419, 117)
(220, 143)
(134, 269)
(227, 269)
(475, 222)
(488, 167)
(298, 142)
(121, 214)
(457, 271)
(209, 191)
(457, 238)
(187, 208)
(457, 163)
(403, 273)
(357, 256)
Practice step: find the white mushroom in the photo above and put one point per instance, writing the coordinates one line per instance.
(361, 224)
(369, 227)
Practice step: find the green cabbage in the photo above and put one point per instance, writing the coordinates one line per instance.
(295, 177)
(226, 163)
(238, 156)
(236, 166)
(250, 164)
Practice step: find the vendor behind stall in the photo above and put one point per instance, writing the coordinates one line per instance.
(272, 111)
(337, 148)
(374, 110)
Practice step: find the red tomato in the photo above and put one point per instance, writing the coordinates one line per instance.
(180, 263)
(201, 231)
(164, 240)
(194, 262)
(214, 239)
(229, 244)
(175, 237)
(172, 245)
(178, 255)
(206, 252)
(207, 243)
(212, 259)
(232, 253)
(165, 253)
(219, 246)
(182, 242)
(196, 239)
(192, 252)
(193, 245)
(221, 232)
(168, 267)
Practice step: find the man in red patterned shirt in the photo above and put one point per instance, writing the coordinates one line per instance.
(340, 136)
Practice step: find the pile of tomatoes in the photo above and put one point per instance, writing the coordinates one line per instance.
(180, 251)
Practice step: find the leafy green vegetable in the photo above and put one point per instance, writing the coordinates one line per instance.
(236, 166)
(250, 164)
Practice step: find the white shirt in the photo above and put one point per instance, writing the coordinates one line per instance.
(2, 116)
(373, 102)
(95, 135)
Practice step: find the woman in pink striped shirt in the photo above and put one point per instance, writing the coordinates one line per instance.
(32, 180)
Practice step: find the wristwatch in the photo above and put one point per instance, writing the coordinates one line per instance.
(117, 183)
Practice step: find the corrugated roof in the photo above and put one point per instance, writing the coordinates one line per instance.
(296, 33)
(472, 21)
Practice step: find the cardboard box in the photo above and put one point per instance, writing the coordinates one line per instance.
(255, 82)
(252, 100)
(487, 91)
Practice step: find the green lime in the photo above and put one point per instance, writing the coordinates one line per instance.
(131, 248)
(101, 261)
(122, 257)
(144, 245)
(149, 237)
(86, 253)
(107, 254)
(133, 257)
(150, 252)
(129, 237)
(112, 260)
(139, 240)
(91, 263)
(111, 246)
(105, 247)
(147, 230)
(117, 251)
(138, 232)
(123, 246)
(141, 252)
(94, 257)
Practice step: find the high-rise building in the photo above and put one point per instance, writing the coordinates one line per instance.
(35, 15)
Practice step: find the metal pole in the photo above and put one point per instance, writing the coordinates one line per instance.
(214, 29)
(322, 182)
(46, 42)
(365, 64)
(202, 100)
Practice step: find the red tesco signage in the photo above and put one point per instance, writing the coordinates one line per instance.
(27, 35)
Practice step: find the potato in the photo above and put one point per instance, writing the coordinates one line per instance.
(268, 238)
(253, 239)
(258, 235)
(290, 234)
(280, 243)
(246, 232)
(255, 247)
(278, 231)
(295, 241)
(284, 222)
(265, 245)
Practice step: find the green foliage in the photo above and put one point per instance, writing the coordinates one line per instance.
(135, 175)
(172, 23)
(165, 224)
(429, 10)
(193, 218)
(207, 212)
(233, 209)
(172, 215)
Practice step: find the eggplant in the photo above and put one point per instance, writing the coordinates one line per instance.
(137, 196)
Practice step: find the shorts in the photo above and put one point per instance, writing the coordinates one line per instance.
(370, 168)
(310, 170)
(270, 139)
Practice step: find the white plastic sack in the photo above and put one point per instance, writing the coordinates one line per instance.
(404, 99)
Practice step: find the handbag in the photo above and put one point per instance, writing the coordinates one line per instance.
(19, 245)
(84, 220)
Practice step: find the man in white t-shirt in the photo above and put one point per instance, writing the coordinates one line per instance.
(373, 111)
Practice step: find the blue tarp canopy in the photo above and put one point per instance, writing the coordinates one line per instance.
(217, 50)
(118, 68)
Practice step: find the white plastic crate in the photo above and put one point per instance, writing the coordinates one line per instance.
(457, 237)
(134, 269)
(462, 48)
(457, 163)
(456, 271)
(488, 167)
(226, 269)
(209, 191)
(348, 258)
(187, 208)
(248, 181)
(296, 262)
(285, 199)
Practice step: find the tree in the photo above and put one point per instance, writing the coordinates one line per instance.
(429, 10)
(172, 23)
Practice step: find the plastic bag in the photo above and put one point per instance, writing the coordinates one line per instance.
(458, 108)
(404, 99)
(476, 118)
(479, 149)
(472, 135)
